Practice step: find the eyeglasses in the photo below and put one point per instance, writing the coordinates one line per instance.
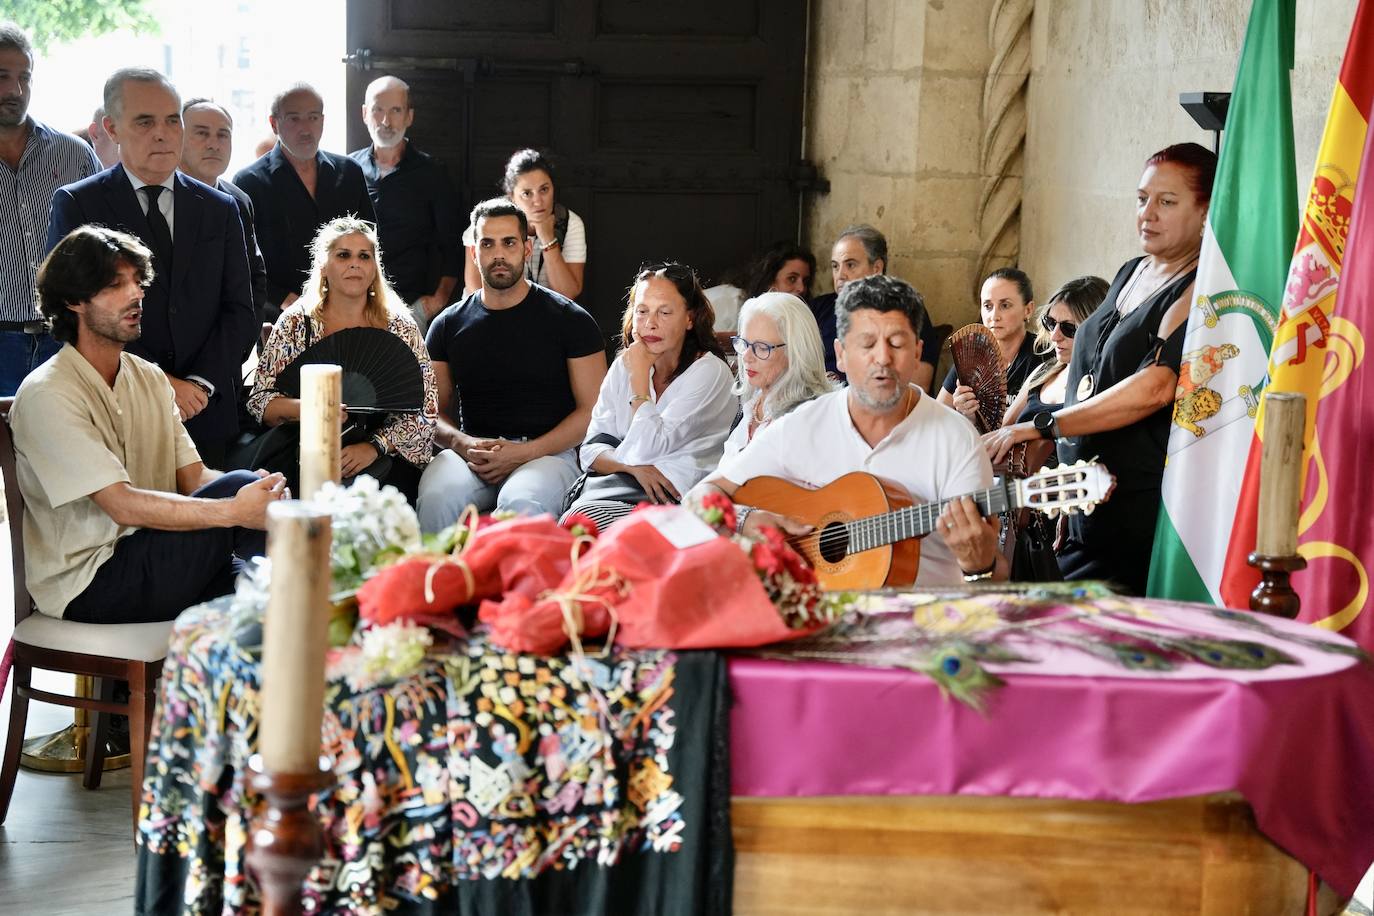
(1067, 328)
(761, 350)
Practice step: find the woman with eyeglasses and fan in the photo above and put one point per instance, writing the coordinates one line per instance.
(1123, 374)
(781, 363)
(348, 315)
(665, 406)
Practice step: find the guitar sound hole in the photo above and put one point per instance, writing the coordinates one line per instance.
(834, 543)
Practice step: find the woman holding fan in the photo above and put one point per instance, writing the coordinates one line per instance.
(347, 289)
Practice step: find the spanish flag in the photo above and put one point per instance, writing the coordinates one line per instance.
(1319, 350)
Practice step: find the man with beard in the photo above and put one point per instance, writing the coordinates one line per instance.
(198, 317)
(297, 187)
(205, 153)
(35, 160)
(518, 368)
(417, 220)
(886, 425)
(122, 521)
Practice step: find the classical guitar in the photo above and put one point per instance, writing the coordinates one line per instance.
(866, 530)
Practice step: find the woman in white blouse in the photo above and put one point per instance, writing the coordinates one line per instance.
(666, 404)
(558, 238)
(781, 363)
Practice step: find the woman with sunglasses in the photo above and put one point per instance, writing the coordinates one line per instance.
(665, 405)
(1043, 391)
(781, 363)
(1006, 304)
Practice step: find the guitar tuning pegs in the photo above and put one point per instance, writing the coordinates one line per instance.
(1088, 510)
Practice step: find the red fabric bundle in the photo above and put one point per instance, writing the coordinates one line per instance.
(525, 556)
(705, 595)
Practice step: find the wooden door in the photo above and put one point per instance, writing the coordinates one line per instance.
(676, 127)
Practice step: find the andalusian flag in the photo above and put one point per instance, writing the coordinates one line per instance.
(1319, 350)
(1245, 250)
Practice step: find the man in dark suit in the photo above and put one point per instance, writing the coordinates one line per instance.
(297, 187)
(198, 316)
(205, 152)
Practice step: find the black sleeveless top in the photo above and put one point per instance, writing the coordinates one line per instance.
(1110, 348)
(1035, 405)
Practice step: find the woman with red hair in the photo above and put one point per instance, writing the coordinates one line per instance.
(1124, 371)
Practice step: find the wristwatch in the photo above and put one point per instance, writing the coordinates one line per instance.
(1046, 425)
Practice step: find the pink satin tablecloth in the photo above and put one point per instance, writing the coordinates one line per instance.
(1299, 749)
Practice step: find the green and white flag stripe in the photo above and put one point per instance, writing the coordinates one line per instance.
(1246, 247)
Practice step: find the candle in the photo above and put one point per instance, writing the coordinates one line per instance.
(1281, 466)
(321, 432)
(295, 635)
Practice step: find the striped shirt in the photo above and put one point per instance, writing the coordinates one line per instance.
(51, 159)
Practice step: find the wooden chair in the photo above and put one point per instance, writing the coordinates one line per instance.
(131, 652)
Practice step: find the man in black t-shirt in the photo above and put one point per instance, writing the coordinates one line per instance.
(518, 369)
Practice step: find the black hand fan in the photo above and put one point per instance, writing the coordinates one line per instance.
(380, 373)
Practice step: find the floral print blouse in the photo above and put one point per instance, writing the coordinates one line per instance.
(410, 436)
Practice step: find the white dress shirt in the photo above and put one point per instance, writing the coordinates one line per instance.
(680, 433)
(164, 200)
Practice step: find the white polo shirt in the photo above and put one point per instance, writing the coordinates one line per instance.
(933, 454)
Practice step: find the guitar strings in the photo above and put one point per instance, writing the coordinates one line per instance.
(847, 534)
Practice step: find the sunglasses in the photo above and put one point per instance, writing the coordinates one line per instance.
(761, 350)
(1067, 328)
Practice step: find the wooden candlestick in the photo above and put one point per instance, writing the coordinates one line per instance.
(295, 636)
(1275, 594)
(285, 840)
(321, 427)
(1280, 490)
(1280, 503)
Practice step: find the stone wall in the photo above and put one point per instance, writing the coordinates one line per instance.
(1105, 81)
(894, 120)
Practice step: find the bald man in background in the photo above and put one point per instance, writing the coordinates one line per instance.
(417, 211)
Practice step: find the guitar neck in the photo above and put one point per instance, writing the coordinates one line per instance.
(917, 521)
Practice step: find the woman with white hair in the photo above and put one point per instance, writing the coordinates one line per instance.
(781, 363)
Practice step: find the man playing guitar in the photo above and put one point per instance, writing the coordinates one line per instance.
(884, 425)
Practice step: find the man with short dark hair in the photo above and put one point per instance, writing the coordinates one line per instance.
(861, 251)
(417, 223)
(35, 160)
(205, 154)
(297, 187)
(198, 313)
(122, 521)
(886, 425)
(518, 368)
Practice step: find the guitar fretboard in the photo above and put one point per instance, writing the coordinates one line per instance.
(915, 521)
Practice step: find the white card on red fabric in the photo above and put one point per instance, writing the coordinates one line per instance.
(681, 527)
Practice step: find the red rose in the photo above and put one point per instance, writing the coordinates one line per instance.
(718, 510)
(581, 525)
(766, 559)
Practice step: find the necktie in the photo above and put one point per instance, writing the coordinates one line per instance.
(161, 234)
